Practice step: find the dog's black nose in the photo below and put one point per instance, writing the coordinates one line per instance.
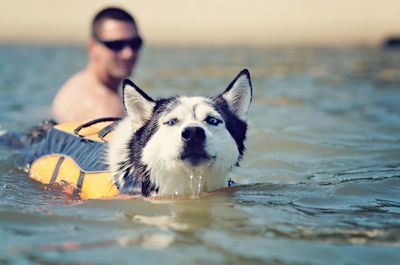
(193, 134)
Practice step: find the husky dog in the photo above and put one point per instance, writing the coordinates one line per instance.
(179, 145)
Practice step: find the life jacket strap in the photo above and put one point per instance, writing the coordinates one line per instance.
(106, 130)
(102, 132)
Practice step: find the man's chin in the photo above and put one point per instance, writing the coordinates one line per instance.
(123, 73)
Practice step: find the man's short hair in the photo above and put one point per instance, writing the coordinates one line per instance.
(110, 13)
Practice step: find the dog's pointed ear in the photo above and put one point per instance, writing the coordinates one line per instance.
(138, 105)
(239, 93)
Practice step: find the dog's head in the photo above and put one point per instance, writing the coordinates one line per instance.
(179, 135)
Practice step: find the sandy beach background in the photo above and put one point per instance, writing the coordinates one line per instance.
(211, 22)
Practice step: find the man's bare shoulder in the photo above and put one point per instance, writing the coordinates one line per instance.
(78, 82)
(83, 97)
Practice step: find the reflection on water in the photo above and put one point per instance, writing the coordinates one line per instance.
(320, 181)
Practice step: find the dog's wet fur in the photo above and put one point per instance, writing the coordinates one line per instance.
(161, 144)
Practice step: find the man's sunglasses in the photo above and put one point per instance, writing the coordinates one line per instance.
(117, 45)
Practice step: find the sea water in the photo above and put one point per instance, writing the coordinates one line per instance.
(319, 183)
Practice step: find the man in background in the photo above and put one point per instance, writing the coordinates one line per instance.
(113, 50)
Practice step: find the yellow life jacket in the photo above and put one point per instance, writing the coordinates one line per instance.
(72, 154)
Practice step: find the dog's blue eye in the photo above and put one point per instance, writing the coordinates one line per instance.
(171, 122)
(213, 121)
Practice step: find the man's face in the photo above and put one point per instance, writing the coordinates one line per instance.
(117, 63)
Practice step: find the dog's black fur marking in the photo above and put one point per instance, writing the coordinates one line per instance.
(138, 173)
(235, 126)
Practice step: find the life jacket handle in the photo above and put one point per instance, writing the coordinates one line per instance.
(103, 132)
(106, 130)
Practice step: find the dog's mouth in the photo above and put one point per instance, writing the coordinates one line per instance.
(196, 157)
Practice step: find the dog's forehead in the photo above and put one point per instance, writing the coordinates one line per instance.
(191, 101)
(193, 104)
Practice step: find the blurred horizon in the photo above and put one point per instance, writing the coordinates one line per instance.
(255, 23)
